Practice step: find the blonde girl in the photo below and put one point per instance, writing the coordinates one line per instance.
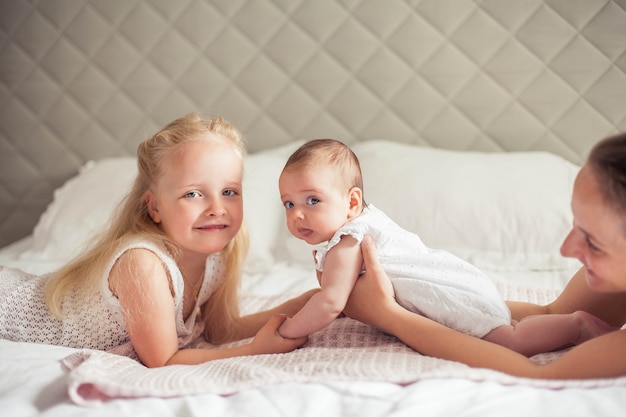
(167, 268)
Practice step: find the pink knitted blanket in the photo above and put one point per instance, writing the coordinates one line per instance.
(345, 351)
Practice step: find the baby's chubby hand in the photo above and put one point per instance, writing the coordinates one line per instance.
(269, 340)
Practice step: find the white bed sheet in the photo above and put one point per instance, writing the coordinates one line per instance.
(33, 384)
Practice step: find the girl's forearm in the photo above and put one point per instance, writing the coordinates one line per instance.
(197, 356)
(251, 323)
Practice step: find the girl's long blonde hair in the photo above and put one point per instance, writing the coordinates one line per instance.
(132, 221)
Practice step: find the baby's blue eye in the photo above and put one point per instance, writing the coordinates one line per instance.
(288, 204)
(312, 201)
(229, 193)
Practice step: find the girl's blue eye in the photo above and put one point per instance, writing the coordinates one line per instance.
(229, 193)
(312, 201)
(192, 194)
(288, 204)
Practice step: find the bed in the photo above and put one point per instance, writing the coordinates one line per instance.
(471, 119)
(504, 212)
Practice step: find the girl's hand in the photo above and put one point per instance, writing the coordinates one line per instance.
(373, 297)
(268, 340)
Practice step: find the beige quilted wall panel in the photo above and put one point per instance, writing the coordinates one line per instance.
(81, 80)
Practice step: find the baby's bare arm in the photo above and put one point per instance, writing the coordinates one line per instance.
(341, 269)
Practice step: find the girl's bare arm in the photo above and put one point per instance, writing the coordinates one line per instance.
(250, 324)
(143, 288)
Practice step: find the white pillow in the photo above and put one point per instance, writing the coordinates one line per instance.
(505, 208)
(263, 210)
(82, 206)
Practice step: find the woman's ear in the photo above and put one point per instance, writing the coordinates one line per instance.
(356, 202)
(151, 204)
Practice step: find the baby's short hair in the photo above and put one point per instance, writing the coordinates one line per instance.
(328, 153)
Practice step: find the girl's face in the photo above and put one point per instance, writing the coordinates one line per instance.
(198, 201)
(597, 236)
(316, 203)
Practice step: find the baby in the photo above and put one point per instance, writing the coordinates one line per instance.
(321, 188)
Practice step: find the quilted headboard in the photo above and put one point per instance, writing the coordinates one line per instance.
(82, 80)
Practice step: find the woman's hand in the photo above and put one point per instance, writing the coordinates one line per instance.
(268, 340)
(372, 298)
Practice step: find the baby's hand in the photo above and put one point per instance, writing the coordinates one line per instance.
(268, 340)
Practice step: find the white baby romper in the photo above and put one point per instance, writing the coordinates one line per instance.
(433, 283)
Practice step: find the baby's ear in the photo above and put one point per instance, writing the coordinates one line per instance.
(356, 201)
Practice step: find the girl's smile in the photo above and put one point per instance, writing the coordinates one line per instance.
(198, 201)
(211, 227)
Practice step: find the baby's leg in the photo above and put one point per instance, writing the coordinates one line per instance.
(549, 332)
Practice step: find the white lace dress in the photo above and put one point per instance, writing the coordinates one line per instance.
(433, 283)
(93, 320)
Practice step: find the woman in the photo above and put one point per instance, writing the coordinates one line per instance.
(597, 239)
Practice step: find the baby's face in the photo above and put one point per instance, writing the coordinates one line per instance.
(316, 203)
